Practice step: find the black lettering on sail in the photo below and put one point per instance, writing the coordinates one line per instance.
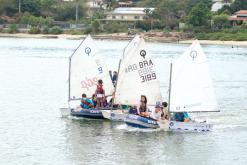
(145, 63)
(131, 68)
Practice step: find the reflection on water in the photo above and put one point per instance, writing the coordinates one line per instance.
(33, 85)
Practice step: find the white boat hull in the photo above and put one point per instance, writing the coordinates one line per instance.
(115, 115)
(192, 126)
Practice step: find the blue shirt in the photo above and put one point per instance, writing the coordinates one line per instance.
(180, 116)
(85, 103)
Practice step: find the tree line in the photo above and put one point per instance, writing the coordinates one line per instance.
(57, 9)
(196, 15)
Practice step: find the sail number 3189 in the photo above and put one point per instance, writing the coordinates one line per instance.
(148, 77)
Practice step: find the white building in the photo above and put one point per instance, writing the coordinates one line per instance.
(127, 14)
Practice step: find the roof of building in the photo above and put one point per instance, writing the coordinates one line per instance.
(235, 18)
(241, 12)
(130, 10)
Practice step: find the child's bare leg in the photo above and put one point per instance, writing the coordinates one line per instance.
(97, 104)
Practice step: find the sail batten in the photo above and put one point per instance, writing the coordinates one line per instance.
(192, 88)
(86, 68)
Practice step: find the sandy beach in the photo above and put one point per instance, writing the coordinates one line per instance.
(153, 37)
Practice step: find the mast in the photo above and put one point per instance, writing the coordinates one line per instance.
(169, 98)
(69, 79)
(116, 84)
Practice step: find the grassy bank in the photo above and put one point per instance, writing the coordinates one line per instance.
(223, 36)
(238, 33)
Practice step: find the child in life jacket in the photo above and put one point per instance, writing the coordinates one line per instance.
(100, 94)
(86, 103)
(94, 100)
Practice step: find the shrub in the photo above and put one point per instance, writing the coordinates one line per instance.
(36, 21)
(34, 30)
(88, 30)
(240, 36)
(48, 21)
(95, 26)
(145, 25)
(45, 30)
(221, 21)
(115, 27)
(1, 21)
(13, 28)
(76, 32)
(55, 30)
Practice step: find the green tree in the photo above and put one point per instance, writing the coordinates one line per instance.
(48, 7)
(199, 15)
(169, 13)
(187, 5)
(144, 25)
(227, 1)
(226, 9)
(13, 28)
(110, 4)
(8, 7)
(67, 10)
(220, 21)
(99, 14)
(31, 6)
(239, 5)
(95, 26)
(148, 3)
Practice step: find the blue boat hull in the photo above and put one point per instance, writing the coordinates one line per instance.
(87, 113)
(141, 122)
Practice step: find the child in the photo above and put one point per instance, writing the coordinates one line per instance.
(100, 94)
(85, 102)
(94, 100)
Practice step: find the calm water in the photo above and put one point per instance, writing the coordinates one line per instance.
(33, 76)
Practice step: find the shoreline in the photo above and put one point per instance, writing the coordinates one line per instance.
(124, 36)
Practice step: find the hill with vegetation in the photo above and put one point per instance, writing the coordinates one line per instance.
(193, 17)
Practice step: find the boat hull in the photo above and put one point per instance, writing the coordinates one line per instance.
(141, 122)
(87, 113)
(190, 126)
(116, 115)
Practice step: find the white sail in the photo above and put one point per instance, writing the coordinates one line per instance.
(131, 46)
(86, 68)
(137, 75)
(191, 88)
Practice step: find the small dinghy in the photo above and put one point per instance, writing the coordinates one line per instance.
(87, 113)
(141, 122)
(86, 67)
(191, 89)
(137, 76)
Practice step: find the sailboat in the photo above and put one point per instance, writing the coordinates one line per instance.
(86, 67)
(137, 76)
(120, 114)
(191, 89)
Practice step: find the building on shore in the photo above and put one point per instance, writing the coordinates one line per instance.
(129, 14)
(238, 18)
